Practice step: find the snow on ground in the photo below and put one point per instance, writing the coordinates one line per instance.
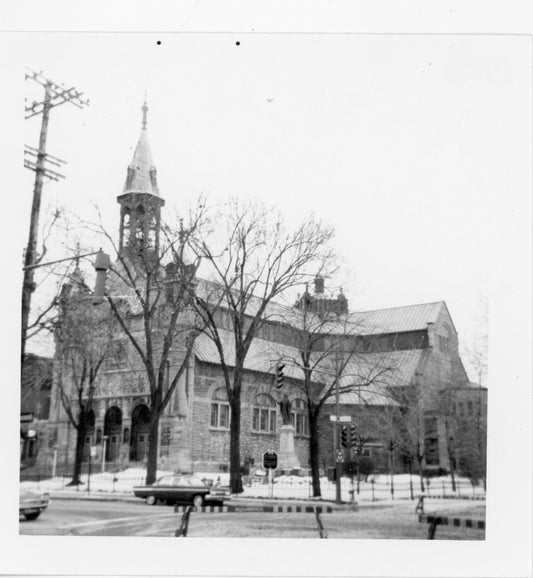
(377, 488)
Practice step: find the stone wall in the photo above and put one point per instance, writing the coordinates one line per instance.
(211, 445)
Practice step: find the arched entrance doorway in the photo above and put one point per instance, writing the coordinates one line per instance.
(90, 419)
(140, 428)
(112, 429)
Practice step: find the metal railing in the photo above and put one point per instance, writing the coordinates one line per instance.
(282, 488)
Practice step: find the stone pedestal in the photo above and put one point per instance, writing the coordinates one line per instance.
(287, 459)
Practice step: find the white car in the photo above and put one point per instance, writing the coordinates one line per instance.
(31, 504)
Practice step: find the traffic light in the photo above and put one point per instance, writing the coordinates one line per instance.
(101, 264)
(279, 375)
(344, 436)
(353, 436)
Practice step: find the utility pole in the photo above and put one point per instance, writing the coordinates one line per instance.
(35, 160)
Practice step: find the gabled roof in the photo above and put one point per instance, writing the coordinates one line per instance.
(262, 356)
(396, 319)
(387, 369)
(378, 321)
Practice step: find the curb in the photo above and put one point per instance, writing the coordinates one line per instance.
(441, 497)
(457, 522)
(255, 509)
(239, 504)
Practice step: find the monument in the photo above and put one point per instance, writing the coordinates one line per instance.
(287, 459)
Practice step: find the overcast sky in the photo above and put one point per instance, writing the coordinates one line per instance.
(406, 145)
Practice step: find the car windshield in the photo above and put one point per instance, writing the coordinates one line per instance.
(192, 481)
(164, 481)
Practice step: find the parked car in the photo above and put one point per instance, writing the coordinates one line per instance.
(31, 504)
(183, 489)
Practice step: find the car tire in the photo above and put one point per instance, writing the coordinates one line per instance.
(198, 501)
(151, 500)
(32, 516)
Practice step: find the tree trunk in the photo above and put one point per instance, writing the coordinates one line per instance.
(78, 456)
(421, 473)
(392, 468)
(153, 445)
(235, 477)
(314, 449)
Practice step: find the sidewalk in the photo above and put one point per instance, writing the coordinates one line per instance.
(93, 496)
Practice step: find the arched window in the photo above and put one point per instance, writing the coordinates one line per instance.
(140, 222)
(126, 218)
(264, 414)
(299, 417)
(220, 409)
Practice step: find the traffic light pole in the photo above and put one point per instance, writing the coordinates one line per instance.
(338, 449)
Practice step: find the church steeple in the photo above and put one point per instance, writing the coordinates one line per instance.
(140, 212)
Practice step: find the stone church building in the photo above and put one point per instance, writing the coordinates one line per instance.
(417, 344)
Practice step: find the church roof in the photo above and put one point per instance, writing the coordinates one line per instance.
(262, 355)
(389, 369)
(141, 170)
(396, 319)
(386, 369)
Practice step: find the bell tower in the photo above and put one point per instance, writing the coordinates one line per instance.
(140, 203)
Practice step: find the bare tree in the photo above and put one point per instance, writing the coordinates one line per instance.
(361, 434)
(44, 315)
(468, 429)
(253, 260)
(329, 362)
(83, 336)
(411, 440)
(387, 424)
(150, 295)
(446, 410)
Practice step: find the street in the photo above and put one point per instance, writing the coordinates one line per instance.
(110, 518)
(105, 518)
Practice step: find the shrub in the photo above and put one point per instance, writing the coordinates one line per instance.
(472, 468)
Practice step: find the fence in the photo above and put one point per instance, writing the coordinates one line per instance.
(371, 490)
(284, 487)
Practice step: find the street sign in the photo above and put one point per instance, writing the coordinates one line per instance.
(270, 460)
(341, 418)
(93, 451)
(340, 456)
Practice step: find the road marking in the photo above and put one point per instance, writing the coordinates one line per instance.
(114, 520)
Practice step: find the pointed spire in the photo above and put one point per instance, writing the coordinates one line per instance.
(145, 112)
(76, 277)
(142, 174)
